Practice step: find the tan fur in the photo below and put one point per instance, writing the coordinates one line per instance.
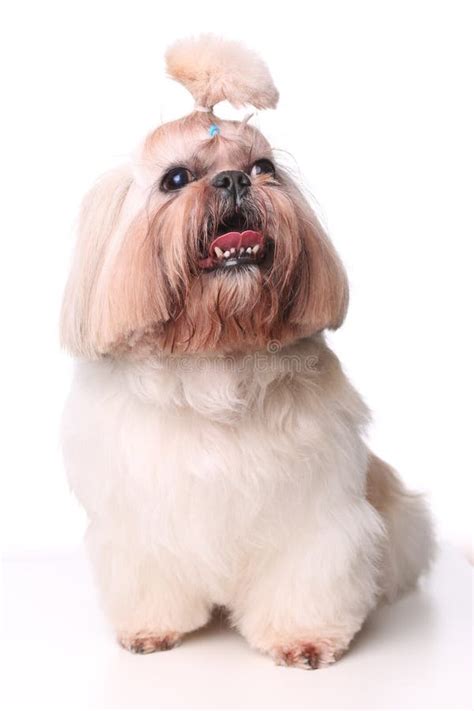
(213, 69)
(403, 513)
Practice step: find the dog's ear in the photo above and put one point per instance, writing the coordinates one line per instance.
(82, 311)
(322, 294)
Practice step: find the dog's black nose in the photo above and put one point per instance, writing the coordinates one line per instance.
(234, 182)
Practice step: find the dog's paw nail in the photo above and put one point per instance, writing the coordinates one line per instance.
(307, 655)
(146, 644)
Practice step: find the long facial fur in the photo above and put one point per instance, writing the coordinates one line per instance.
(136, 286)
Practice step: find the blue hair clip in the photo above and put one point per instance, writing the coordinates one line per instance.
(214, 130)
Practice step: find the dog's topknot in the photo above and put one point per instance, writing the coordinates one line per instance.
(214, 69)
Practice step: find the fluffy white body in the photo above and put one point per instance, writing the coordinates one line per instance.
(238, 480)
(241, 482)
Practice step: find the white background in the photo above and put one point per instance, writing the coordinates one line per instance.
(376, 110)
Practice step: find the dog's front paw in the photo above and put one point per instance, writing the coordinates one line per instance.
(307, 654)
(146, 644)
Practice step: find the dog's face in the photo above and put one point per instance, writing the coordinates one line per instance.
(207, 245)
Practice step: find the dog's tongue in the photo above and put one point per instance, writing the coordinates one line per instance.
(249, 238)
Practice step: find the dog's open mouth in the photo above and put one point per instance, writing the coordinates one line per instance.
(234, 248)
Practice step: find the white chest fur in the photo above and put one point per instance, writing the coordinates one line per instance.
(208, 457)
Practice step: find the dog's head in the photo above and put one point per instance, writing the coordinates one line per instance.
(203, 244)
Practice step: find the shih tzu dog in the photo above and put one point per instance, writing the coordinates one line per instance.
(211, 434)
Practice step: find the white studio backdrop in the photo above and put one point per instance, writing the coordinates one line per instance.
(376, 111)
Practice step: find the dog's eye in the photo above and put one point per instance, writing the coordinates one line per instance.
(262, 166)
(175, 179)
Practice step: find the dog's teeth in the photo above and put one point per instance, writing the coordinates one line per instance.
(220, 254)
